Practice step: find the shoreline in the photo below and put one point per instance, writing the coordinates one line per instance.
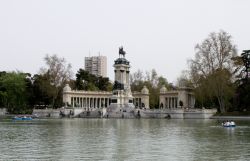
(231, 117)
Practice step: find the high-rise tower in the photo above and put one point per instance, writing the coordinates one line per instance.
(96, 65)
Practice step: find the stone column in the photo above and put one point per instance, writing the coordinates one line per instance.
(169, 102)
(99, 102)
(127, 77)
(95, 102)
(176, 102)
(121, 76)
(173, 102)
(166, 102)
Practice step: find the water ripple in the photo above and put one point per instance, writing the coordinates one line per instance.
(125, 139)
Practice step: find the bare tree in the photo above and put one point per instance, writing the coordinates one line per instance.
(136, 77)
(214, 57)
(184, 80)
(58, 72)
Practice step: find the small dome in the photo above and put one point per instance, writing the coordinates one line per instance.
(66, 88)
(163, 89)
(122, 61)
(144, 90)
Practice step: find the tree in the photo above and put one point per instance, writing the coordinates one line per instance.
(212, 65)
(137, 80)
(215, 52)
(87, 81)
(243, 82)
(222, 88)
(184, 80)
(58, 71)
(245, 56)
(13, 91)
(153, 83)
(43, 90)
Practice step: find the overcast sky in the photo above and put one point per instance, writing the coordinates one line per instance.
(156, 34)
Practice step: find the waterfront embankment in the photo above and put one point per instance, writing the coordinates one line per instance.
(231, 117)
(3, 111)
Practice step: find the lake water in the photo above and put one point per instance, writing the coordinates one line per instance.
(123, 139)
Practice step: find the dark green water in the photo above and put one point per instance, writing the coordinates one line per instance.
(123, 139)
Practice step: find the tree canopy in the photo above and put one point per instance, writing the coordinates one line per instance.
(212, 70)
(90, 82)
(243, 82)
(13, 91)
(152, 81)
(56, 73)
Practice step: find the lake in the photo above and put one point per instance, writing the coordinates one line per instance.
(123, 139)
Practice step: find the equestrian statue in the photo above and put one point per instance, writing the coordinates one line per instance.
(121, 51)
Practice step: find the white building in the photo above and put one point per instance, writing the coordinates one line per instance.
(96, 65)
(122, 103)
(119, 103)
(182, 97)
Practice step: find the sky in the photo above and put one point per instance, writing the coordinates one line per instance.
(156, 34)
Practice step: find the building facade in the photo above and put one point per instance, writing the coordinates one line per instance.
(122, 103)
(91, 100)
(182, 97)
(120, 99)
(96, 65)
(141, 99)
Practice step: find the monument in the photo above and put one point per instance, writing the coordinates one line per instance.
(121, 100)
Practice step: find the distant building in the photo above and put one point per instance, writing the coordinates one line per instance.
(96, 65)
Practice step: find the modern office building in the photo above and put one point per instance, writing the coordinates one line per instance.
(96, 65)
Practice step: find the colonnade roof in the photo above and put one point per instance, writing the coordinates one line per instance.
(89, 92)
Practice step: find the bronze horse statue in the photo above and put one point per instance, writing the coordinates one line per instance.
(121, 51)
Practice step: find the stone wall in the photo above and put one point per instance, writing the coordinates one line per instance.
(3, 111)
(51, 113)
(178, 113)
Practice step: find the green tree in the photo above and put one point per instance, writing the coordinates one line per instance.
(13, 92)
(43, 90)
(243, 82)
(87, 81)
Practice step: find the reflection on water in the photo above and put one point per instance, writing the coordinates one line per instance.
(123, 139)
